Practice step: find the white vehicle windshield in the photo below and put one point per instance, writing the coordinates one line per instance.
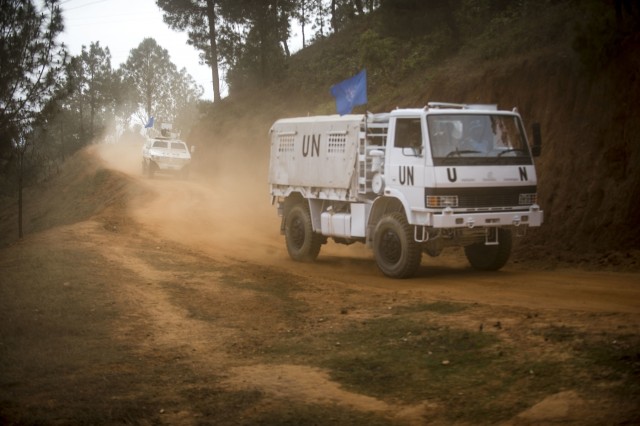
(174, 146)
(472, 139)
(178, 146)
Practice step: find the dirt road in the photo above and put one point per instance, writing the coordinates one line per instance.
(177, 304)
(232, 217)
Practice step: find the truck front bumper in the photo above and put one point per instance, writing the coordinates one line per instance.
(449, 218)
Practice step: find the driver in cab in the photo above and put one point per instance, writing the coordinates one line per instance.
(476, 140)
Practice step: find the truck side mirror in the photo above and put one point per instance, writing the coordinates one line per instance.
(536, 149)
(193, 149)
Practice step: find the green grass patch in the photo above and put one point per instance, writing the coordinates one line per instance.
(401, 359)
(612, 358)
(473, 374)
(598, 358)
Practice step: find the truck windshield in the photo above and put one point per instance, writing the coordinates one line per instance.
(474, 139)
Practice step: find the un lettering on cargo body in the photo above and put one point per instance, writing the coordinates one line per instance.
(312, 156)
(311, 145)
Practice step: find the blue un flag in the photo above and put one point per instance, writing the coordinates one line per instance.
(350, 92)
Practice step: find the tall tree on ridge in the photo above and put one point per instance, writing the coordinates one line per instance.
(156, 84)
(200, 18)
(30, 63)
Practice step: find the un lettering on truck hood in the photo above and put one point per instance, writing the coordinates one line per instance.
(455, 176)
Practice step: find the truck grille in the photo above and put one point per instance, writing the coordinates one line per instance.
(484, 198)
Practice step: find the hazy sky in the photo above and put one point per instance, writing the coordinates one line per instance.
(121, 25)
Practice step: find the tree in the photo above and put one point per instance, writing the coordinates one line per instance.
(302, 15)
(200, 18)
(248, 38)
(147, 70)
(327, 15)
(156, 85)
(96, 81)
(320, 23)
(411, 18)
(264, 29)
(30, 63)
(184, 100)
(85, 102)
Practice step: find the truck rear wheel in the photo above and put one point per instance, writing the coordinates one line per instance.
(397, 253)
(302, 243)
(490, 257)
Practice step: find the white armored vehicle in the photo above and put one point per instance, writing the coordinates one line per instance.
(165, 153)
(407, 182)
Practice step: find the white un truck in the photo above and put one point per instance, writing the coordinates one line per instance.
(407, 182)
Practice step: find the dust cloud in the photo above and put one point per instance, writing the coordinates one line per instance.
(226, 211)
(224, 208)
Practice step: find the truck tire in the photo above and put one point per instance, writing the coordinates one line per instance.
(490, 258)
(303, 244)
(397, 253)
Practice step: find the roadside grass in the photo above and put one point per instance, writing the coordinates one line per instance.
(292, 413)
(55, 321)
(474, 376)
(399, 358)
(612, 358)
(250, 407)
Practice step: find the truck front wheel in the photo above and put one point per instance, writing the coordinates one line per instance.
(397, 253)
(302, 243)
(490, 257)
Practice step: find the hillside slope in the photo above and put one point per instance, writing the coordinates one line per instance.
(589, 170)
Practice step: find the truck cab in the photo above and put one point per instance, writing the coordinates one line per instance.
(456, 166)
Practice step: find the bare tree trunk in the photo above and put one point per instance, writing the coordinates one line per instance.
(303, 18)
(20, 171)
(334, 18)
(213, 59)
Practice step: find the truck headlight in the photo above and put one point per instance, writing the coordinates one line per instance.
(528, 199)
(440, 201)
